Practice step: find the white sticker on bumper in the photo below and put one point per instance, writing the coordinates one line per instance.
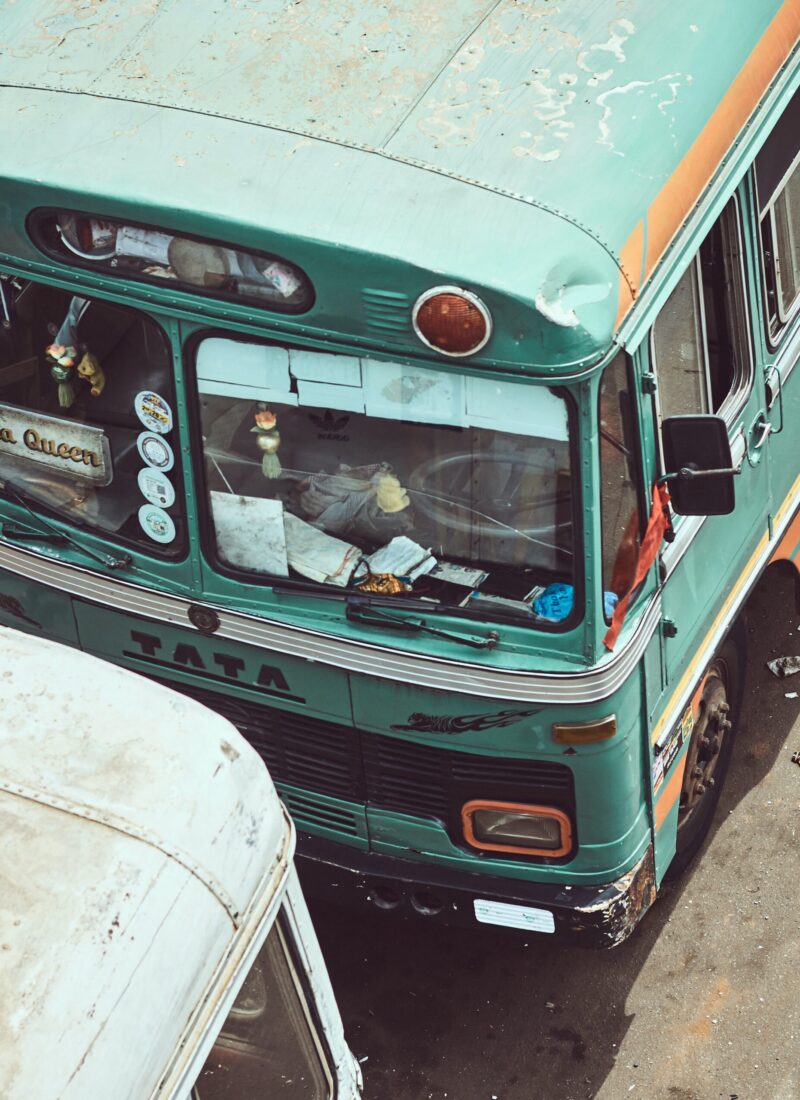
(514, 916)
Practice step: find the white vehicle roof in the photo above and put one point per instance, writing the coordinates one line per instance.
(142, 844)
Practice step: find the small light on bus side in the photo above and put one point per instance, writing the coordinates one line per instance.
(452, 321)
(516, 827)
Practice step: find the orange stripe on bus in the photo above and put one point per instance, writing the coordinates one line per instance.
(670, 794)
(681, 191)
(790, 540)
(683, 188)
(630, 262)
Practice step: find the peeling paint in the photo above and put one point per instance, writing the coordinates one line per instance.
(624, 904)
(619, 33)
(554, 310)
(673, 82)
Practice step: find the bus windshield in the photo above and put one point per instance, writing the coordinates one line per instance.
(389, 478)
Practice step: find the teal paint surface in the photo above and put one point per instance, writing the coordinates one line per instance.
(508, 148)
(497, 114)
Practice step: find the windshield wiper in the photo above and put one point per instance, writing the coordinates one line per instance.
(52, 535)
(291, 587)
(362, 612)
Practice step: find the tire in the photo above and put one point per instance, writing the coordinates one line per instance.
(709, 754)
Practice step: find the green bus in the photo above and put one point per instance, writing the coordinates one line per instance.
(412, 385)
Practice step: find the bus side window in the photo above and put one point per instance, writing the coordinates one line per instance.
(619, 482)
(700, 343)
(777, 173)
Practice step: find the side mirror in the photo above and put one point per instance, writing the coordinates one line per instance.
(697, 457)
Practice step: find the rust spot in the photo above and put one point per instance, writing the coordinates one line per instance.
(623, 905)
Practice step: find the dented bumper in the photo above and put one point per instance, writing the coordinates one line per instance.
(593, 916)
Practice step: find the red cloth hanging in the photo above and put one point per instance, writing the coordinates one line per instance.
(657, 526)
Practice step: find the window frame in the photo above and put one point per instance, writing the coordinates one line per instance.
(740, 390)
(103, 269)
(256, 583)
(642, 503)
(299, 985)
(144, 546)
(774, 327)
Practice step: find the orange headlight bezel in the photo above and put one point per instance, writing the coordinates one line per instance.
(565, 828)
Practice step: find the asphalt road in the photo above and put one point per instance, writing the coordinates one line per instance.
(702, 1003)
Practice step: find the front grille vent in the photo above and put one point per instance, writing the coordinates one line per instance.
(387, 772)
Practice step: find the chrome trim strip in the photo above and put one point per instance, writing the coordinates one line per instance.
(684, 537)
(365, 658)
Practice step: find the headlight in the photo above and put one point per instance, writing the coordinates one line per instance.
(451, 321)
(515, 827)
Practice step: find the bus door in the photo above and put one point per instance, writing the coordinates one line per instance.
(777, 200)
(704, 362)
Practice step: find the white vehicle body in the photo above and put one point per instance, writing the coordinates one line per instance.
(145, 866)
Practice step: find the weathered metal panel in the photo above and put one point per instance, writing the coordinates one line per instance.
(519, 100)
(221, 820)
(137, 830)
(88, 913)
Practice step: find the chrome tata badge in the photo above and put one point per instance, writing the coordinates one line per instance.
(156, 488)
(157, 524)
(155, 451)
(153, 411)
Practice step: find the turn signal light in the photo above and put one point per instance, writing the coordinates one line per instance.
(516, 827)
(452, 321)
(585, 733)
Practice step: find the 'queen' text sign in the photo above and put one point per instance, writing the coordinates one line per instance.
(63, 446)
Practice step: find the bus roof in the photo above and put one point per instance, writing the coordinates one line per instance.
(141, 835)
(597, 123)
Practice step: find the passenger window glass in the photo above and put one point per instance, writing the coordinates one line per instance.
(87, 427)
(700, 341)
(777, 174)
(268, 1045)
(155, 255)
(619, 492)
(787, 244)
(678, 347)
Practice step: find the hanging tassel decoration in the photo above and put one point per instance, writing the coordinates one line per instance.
(268, 440)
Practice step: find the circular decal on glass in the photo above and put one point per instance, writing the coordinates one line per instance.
(156, 487)
(156, 523)
(155, 451)
(153, 411)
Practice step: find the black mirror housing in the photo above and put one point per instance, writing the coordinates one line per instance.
(697, 460)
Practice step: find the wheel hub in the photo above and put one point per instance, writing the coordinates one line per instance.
(706, 744)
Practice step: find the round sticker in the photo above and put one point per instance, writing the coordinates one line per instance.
(156, 523)
(156, 487)
(153, 411)
(155, 451)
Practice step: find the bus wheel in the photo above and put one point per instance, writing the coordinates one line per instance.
(709, 752)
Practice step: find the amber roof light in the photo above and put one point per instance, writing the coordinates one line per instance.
(452, 321)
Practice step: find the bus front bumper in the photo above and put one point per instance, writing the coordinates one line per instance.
(591, 916)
